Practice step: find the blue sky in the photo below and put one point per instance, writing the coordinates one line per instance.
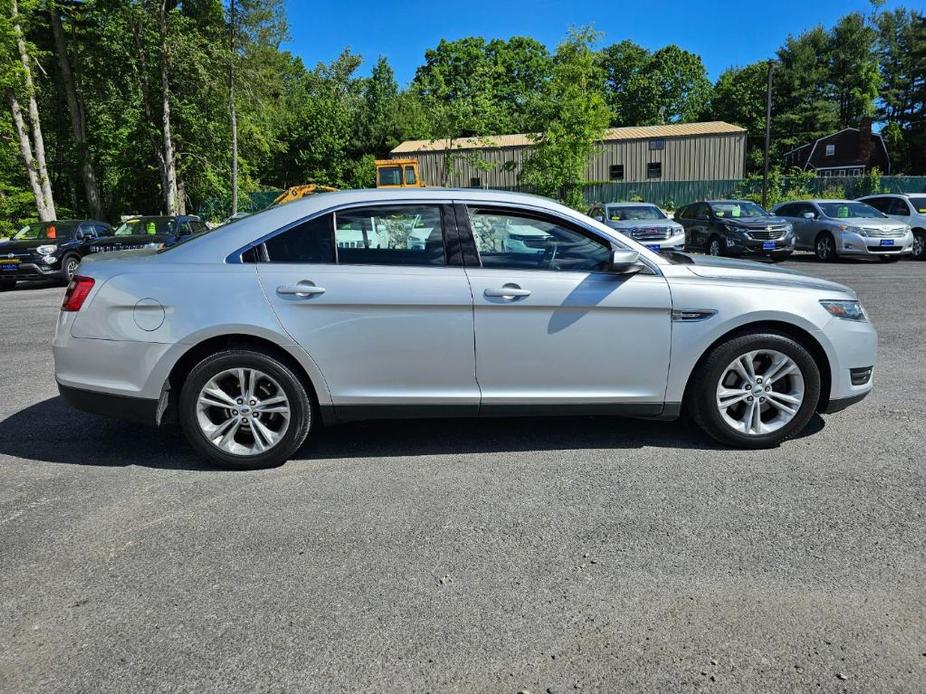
(722, 32)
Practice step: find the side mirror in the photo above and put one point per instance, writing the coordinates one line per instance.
(598, 218)
(624, 262)
(809, 215)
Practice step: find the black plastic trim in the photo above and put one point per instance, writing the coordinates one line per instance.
(839, 404)
(143, 410)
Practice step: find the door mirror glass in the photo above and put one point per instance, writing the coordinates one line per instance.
(623, 262)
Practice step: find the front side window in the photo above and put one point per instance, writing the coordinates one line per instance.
(308, 242)
(880, 204)
(390, 235)
(523, 241)
(390, 176)
(899, 207)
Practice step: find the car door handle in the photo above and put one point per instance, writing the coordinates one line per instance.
(508, 291)
(301, 289)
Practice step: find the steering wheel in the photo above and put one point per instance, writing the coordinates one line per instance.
(548, 259)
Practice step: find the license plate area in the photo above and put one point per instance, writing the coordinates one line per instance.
(887, 242)
(768, 245)
(653, 247)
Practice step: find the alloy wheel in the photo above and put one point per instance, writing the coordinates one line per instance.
(70, 268)
(760, 392)
(825, 247)
(243, 411)
(713, 247)
(919, 245)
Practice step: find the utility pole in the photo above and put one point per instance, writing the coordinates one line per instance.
(768, 132)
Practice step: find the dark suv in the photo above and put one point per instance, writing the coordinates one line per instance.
(735, 227)
(48, 250)
(150, 232)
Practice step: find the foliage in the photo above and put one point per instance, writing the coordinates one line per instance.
(576, 115)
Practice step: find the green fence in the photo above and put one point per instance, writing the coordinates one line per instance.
(217, 209)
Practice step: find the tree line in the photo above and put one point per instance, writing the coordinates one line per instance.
(145, 106)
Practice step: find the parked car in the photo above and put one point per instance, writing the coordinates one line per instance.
(48, 250)
(736, 228)
(150, 232)
(255, 335)
(834, 228)
(642, 222)
(909, 208)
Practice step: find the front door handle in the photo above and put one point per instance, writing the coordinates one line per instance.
(509, 291)
(302, 289)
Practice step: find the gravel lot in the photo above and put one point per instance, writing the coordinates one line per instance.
(505, 555)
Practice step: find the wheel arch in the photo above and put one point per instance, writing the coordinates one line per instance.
(310, 377)
(795, 332)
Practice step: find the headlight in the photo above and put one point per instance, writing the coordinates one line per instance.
(843, 308)
(47, 249)
(736, 228)
(852, 230)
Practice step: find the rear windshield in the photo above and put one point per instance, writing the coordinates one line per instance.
(45, 231)
(622, 214)
(848, 210)
(156, 226)
(737, 209)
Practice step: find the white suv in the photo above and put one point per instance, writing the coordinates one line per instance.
(908, 207)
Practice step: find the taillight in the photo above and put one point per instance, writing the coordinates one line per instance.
(76, 293)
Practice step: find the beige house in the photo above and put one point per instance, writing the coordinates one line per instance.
(674, 152)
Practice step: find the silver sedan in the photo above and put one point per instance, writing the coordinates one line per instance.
(436, 303)
(642, 222)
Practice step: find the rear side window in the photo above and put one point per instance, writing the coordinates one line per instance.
(308, 242)
(390, 235)
(899, 207)
(878, 203)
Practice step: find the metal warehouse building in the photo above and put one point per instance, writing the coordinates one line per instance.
(675, 152)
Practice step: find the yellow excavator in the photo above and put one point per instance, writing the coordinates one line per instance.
(390, 173)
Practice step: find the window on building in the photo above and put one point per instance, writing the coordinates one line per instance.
(830, 150)
(475, 182)
(390, 235)
(657, 144)
(616, 172)
(410, 178)
(654, 169)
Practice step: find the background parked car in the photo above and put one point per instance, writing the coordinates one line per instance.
(150, 232)
(642, 222)
(735, 227)
(48, 250)
(833, 228)
(909, 208)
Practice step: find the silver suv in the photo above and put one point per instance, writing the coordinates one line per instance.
(909, 208)
(834, 228)
(434, 303)
(642, 222)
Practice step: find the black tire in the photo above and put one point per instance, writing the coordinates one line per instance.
(6, 285)
(301, 411)
(69, 264)
(919, 245)
(702, 401)
(714, 246)
(824, 247)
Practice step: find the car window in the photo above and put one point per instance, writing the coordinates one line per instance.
(390, 176)
(307, 242)
(700, 211)
(390, 235)
(899, 207)
(789, 210)
(159, 226)
(849, 209)
(523, 241)
(881, 204)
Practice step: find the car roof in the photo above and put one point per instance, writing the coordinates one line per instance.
(628, 204)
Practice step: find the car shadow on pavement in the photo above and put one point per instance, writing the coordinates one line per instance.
(51, 431)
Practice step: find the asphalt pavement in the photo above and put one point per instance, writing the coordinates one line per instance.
(546, 555)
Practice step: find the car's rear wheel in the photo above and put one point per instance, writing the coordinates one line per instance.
(244, 409)
(919, 245)
(715, 246)
(755, 391)
(825, 247)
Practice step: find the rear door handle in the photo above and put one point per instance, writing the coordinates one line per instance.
(508, 291)
(302, 289)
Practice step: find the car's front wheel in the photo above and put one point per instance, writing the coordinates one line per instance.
(244, 409)
(755, 391)
(919, 245)
(825, 247)
(69, 267)
(715, 246)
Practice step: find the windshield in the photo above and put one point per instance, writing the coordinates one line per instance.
(42, 231)
(154, 226)
(849, 209)
(737, 209)
(919, 203)
(625, 213)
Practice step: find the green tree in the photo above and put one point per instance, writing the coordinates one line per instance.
(738, 97)
(853, 66)
(646, 88)
(576, 116)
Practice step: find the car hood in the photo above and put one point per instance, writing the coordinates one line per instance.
(750, 272)
(634, 223)
(755, 221)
